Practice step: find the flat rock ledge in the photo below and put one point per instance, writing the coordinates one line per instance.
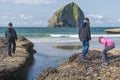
(73, 47)
(77, 68)
(113, 31)
(9, 66)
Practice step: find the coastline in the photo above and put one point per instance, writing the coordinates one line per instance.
(54, 56)
(76, 68)
(57, 37)
(11, 66)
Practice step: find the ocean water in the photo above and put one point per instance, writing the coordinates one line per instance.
(53, 32)
(57, 35)
(45, 38)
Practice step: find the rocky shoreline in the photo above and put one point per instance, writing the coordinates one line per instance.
(113, 31)
(10, 66)
(77, 68)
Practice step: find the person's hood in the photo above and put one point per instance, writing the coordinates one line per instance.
(83, 24)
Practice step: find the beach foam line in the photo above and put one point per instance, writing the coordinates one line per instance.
(107, 35)
(61, 38)
(63, 35)
(76, 35)
(52, 40)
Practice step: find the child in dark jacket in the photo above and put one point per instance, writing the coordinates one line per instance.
(11, 37)
(85, 36)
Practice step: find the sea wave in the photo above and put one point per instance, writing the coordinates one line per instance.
(52, 41)
(76, 35)
(57, 38)
(63, 35)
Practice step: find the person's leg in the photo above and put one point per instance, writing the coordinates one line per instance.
(85, 48)
(104, 55)
(110, 47)
(9, 48)
(14, 47)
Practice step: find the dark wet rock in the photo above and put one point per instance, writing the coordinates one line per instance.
(46, 72)
(73, 47)
(73, 57)
(3, 48)
(10, 66)
(77, 68)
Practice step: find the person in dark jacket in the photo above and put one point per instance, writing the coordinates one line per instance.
(85, 36)
(11, 37)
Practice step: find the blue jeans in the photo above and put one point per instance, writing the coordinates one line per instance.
(85, 47)
(104, 53)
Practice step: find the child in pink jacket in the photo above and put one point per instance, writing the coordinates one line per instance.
(108, 45)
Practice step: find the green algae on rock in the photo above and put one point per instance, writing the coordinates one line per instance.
(68, 16)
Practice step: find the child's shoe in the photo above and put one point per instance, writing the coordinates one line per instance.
(105, 64)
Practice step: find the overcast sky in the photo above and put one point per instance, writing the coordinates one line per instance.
(38, 12)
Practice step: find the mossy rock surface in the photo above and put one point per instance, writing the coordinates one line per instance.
(68, 16)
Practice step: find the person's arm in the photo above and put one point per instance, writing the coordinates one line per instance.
(105, 44)
(6, 33)
(88, 32)
(79, 30)
(15, 34)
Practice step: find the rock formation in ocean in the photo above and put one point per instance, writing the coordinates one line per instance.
(77, 68)
(68, 16)
(113, 31)
(11, 66)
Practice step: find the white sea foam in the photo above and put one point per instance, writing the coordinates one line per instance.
(51, 40)
(63, 35)
(61, 38)
(76, 35)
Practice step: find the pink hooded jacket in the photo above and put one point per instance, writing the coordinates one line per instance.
(107, 42)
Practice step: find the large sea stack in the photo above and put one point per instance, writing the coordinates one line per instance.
(68, 16)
